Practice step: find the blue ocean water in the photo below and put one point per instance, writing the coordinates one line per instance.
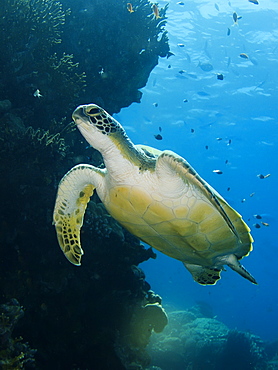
(228, 125)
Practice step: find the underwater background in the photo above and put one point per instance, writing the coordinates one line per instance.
(241, 110)
(203, 81)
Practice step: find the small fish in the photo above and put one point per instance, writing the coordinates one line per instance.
(159, 129)
(169, 66)
(228, 32)
(181, 45)
(218, 172)
(243, 200)
(192, 130)
(180, 3)
(129, 7)
(220, 76)
(182, 71)
(244, 55)
(158, 137)
(155, 105)
(260, 176)
(226, 162)
(251, 195)
(259, 217)
(265, 223)
(257, 226)
(254, 2)
(206, 147)
(228, 189)
(155, 11)
(37, 94)
(219, 138)
(185, 100)
(235, 17)
(216, 7)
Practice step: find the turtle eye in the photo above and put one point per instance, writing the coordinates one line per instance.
(94, 111)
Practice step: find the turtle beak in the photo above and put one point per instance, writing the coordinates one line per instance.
(79, 115)
(83, 113)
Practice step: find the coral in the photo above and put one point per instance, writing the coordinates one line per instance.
(11, 312)
(192, 341)
(43, 61)
(46, 138)
(136, 333)
(249, 348)
(148, 318)
(272, 364)
(153, 298)
(64, 73)
(5, 105)
(32, 161)
(11, 125)
(15, 135)
(28, 29)
(117, 49)
(155, 317)
(30, 33)
(41, 18)
(14, 354)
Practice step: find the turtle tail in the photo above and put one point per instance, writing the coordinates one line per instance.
(234, 264)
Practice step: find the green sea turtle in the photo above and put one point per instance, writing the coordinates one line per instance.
(155, 195)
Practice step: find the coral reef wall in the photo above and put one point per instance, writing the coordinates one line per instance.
(195, 339)
(74, 317)
(54, 56)
(94, 51)
(118, 49)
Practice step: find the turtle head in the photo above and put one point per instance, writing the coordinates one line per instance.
(96, 125)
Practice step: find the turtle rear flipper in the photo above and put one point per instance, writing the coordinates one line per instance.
(74, 192)
(203, 275)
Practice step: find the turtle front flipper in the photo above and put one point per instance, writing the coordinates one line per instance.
(204, 275)
(74, 192)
